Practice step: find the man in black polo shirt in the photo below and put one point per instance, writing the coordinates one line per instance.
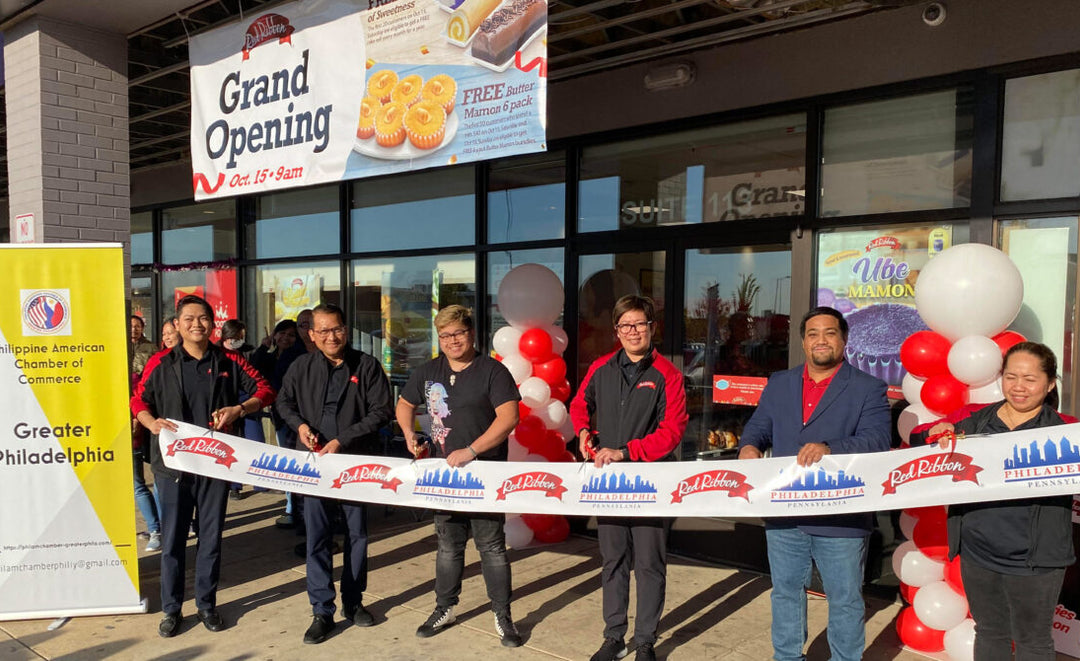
(199, 383)
(337, 399)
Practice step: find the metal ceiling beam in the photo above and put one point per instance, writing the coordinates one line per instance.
(181, 135)
(583, 9)
(158, 73)
(167, 152)
(176, 107)
(626, 18)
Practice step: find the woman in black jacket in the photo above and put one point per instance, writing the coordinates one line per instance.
(1014, 552)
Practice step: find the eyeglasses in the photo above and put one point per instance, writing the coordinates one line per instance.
(457, 335)
(325, 332)
(639, 326)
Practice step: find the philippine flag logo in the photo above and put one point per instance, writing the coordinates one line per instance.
(45, 312)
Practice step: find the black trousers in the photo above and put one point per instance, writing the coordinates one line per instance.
(179, 499)
(1008, 608)
(452, 529)
(320, 565)
(639, 544)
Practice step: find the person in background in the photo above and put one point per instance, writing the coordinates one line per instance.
(199, 383)
(474, 402)
(631, 406)
(336, 399)
(303, 325)
(233, 338)
(142, 349)
(808, 412)
(170, 337)
(1013, 553)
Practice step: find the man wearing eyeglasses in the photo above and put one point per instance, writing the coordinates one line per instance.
(473, 403)
(337, 399)
(631, 406)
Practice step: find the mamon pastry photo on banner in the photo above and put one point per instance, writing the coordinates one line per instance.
(493, 31)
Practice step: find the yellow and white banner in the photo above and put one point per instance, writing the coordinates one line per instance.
(67, 513)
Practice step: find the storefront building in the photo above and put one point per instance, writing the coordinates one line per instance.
(771, 175)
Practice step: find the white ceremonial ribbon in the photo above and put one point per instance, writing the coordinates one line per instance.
(1021, 464)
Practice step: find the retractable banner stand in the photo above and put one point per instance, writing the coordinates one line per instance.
(67, 513)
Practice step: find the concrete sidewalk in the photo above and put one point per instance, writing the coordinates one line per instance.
(711, 613)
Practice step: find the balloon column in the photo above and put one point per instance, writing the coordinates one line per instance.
(967, 295)
(530, 298)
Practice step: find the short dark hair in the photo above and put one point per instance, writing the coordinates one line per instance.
(192, 299)
(827, 311)
(330, 308)
(1047, 363)
(136, 317)
(633, 302)
(284, 325)
(232, 329)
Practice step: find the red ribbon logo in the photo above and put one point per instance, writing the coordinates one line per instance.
(718, 480)
(884, 242)
(199, 179)
(267, 28)
(956, 465)
(369, 474)
(204, 447)
(550, 485)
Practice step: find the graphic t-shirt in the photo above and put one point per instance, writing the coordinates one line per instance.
(461, 404)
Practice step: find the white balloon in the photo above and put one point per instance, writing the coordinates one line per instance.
(960, 641)
(969, 289)
(535, 392)
(987, 394)
(537, 458)
(530, 295)
(913, 567)
(975, 360)
(907, 525)
(505, 341)
(553, 414)
(907, 421)
(515, 451)
(518, 535)
(939, 607)
(559, 340)
(519, 366)
(912, 386)
(567, 428)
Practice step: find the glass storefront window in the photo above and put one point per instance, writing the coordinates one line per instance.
(396, 301)
(295, 223)
(527, 198)
(736, 315)
(203, 232)
(869, 275)
(281, 291)
(1040, 143)
(603, 280)
(217, 286)
(142, 238)
(142, 304)
(901, 154)
(502, 262)
(749, 169)
(424, 210)
(1044, 249)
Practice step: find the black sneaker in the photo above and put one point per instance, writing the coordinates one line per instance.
(358, 615)
(611, 649)
(169, 625)
(504, 626)
(321, 626)
(645, 652)
(439, 620)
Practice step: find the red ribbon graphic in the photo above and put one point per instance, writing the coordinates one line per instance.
(550, 485)
(718, 480)
(267, 28)
(205, 447)
(366, 474)
(956, 465)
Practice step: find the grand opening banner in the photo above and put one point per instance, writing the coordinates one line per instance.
(67, 514)
(326, 90)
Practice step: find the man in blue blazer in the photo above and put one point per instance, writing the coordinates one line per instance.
(822, 407)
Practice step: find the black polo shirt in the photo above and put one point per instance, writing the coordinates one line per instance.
(197, 377)
(335, 388)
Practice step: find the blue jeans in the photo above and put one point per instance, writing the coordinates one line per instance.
(840, 561)
(144, 498)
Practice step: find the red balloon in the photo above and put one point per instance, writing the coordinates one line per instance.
(925, 354)
(556, 531)
(552, 370)
(907, 593)
(523, 411)
(538, 522)
(553, 446)
(535, 345)
(931, 537)
(943, 394)
(567, 457)
(936, 511)
(952, 575)
(560, 391)
(917, 635)
(1006, 339)
(530, 432)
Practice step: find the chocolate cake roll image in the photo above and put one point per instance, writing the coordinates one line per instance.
(505, 31)
(466, 18)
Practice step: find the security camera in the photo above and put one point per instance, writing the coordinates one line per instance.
(933, 14)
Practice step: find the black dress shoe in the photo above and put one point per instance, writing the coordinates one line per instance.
(211, 619)
(170, 625)
(321, 626)
(358, 615)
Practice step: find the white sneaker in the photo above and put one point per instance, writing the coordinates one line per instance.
(155, 542)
